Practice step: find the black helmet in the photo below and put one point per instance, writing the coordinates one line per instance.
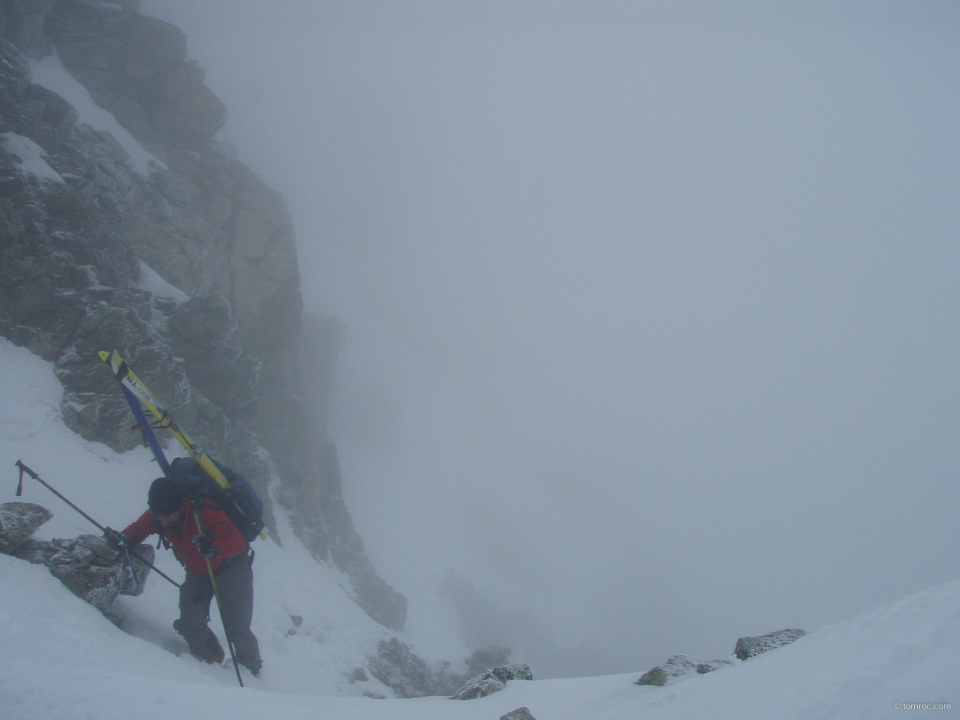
(164, 498)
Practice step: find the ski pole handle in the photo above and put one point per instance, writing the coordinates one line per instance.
(31, 473)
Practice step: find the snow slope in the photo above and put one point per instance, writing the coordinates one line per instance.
(62, 659)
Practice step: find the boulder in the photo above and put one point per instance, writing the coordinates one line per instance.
(493, 681)
(675, 667)
(711, 665)
(521, 713)
(398, 668)
(748, 647)
(486, 684)
(91, 569)
(18, 520)
(517, 671)
(358, 675)
(654, 676)
(408, 675)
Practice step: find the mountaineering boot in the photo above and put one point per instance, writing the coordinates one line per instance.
(213, 652)
(210, 650)
(212, 655)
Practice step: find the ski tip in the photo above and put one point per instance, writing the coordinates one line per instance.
(104, 355)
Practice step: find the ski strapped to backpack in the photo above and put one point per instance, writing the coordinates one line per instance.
(199, 476)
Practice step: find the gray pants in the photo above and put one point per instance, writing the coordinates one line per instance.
(235, 586)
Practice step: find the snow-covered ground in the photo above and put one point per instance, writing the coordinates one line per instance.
(63, 659)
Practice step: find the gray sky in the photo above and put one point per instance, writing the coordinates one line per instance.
(653, 314)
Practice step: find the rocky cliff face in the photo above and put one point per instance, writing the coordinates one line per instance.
(185, 262)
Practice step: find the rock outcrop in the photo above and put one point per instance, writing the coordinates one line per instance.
(18, 520)
(493, 681)
(408, 675)
(86, 565)
(151, 238)
(521, 713)
(680, 666)
(676, 667)
(398, 668)
(748, 647)
(711, 665)
(91, 569)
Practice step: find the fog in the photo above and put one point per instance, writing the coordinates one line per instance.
(652, 313)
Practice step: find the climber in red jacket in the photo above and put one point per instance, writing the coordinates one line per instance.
(218, 541)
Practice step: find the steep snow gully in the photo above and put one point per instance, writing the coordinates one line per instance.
(63, 659)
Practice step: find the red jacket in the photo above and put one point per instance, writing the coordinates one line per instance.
(228, 540)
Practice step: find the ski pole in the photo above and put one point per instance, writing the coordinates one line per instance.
(216, 594)
(101, 528)
(31, 473)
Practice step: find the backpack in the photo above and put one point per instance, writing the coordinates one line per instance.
(238, 500)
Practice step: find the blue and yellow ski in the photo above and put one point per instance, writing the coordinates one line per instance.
(140, 398)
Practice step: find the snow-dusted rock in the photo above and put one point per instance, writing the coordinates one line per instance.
(675, 667)
(493, 681)
(397, 667)
(29, 158)
(18, 520)
(408, 675)
(748, 647)
(679, 666)
(711, 665)
(521, 713)
(517, 671)
(486, 684)
(91, 569)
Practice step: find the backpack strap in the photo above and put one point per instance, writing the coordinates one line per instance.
(162, 540)
(210, 504)
(161, 537)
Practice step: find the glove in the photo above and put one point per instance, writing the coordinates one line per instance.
(115, 539)
(204, 543)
